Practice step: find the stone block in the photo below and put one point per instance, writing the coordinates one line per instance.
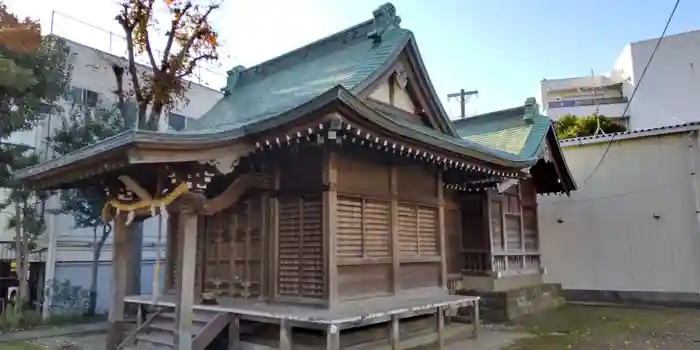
(502, 306)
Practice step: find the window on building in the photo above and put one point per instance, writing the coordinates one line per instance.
(84, 97)
(131, 118)
(177, 121)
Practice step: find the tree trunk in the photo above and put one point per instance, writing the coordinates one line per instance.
(135, 244)
(19, 270)
(92, 302)
(22, 258)
(24, 283)
(96, 252)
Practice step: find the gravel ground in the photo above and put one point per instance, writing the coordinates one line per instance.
(605, 327)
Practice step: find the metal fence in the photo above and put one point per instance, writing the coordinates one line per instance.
(587, 102)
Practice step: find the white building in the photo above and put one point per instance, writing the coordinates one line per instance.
(68, 252)
(668, 95)
(631, 232)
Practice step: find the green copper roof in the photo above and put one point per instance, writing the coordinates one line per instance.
(348, 59)
(329, 73)
(518, 131)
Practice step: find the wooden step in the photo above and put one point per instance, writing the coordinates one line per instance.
(168, 325)
(161, 338)
(197, 317)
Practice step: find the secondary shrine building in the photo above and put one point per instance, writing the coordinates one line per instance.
(327, 201)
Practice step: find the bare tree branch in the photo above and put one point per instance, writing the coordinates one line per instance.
(193, 65)
(149, 51)
(119, 91)
(128, 30)
(171, 34)
(197, 34)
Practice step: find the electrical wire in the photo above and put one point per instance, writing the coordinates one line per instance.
(624, 112)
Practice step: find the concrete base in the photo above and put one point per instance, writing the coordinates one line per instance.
(507, 298)
(494, 284)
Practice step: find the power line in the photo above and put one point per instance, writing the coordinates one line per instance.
(624, 112)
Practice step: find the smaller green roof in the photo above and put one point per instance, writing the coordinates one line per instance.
(518, 131)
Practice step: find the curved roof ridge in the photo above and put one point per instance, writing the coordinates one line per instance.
(384, 17)
(312, 50)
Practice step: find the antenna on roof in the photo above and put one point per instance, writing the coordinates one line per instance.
(464, 97)
(598, 130)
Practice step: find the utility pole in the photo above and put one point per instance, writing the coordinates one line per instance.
(463, 99)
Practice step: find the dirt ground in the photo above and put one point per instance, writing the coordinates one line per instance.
(604, 327)
(569, 327)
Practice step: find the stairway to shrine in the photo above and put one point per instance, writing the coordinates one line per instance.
(161, 332)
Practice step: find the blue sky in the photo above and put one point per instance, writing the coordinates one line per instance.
(502, 48)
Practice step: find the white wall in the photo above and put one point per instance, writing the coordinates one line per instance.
(78, 274)
(670, 91)
(609, 238)
(92, 70)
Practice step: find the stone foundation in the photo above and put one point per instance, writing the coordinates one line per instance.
(506, 305)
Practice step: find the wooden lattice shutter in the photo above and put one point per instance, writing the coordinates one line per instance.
(349, 232)
(376, 221)
(529, 212)
(312, 249)
(418, 230)
(427, 231)
(495, 221)
(512, 224)
(363, 228)
(408, 230)
(301, 248)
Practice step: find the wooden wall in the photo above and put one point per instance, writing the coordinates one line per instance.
(267, 246)
(484, 225)
(387, 230)
(513, 219)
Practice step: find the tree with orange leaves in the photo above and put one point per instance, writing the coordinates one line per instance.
(17, 36)
(189, 40)
(34, 75)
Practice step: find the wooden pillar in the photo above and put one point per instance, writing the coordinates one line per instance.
(234, 333)
(169, 251)
(115, 333)
(394, 229)
(441, 230)
(476, 319)
(332, 337)
(285, 335)
(441, 327)
(330, 224)
(274, 232)
(395, 333)
(186, 282)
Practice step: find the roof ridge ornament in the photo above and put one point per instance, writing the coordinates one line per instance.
(232, 78)
(532, 110)
(384, 18)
